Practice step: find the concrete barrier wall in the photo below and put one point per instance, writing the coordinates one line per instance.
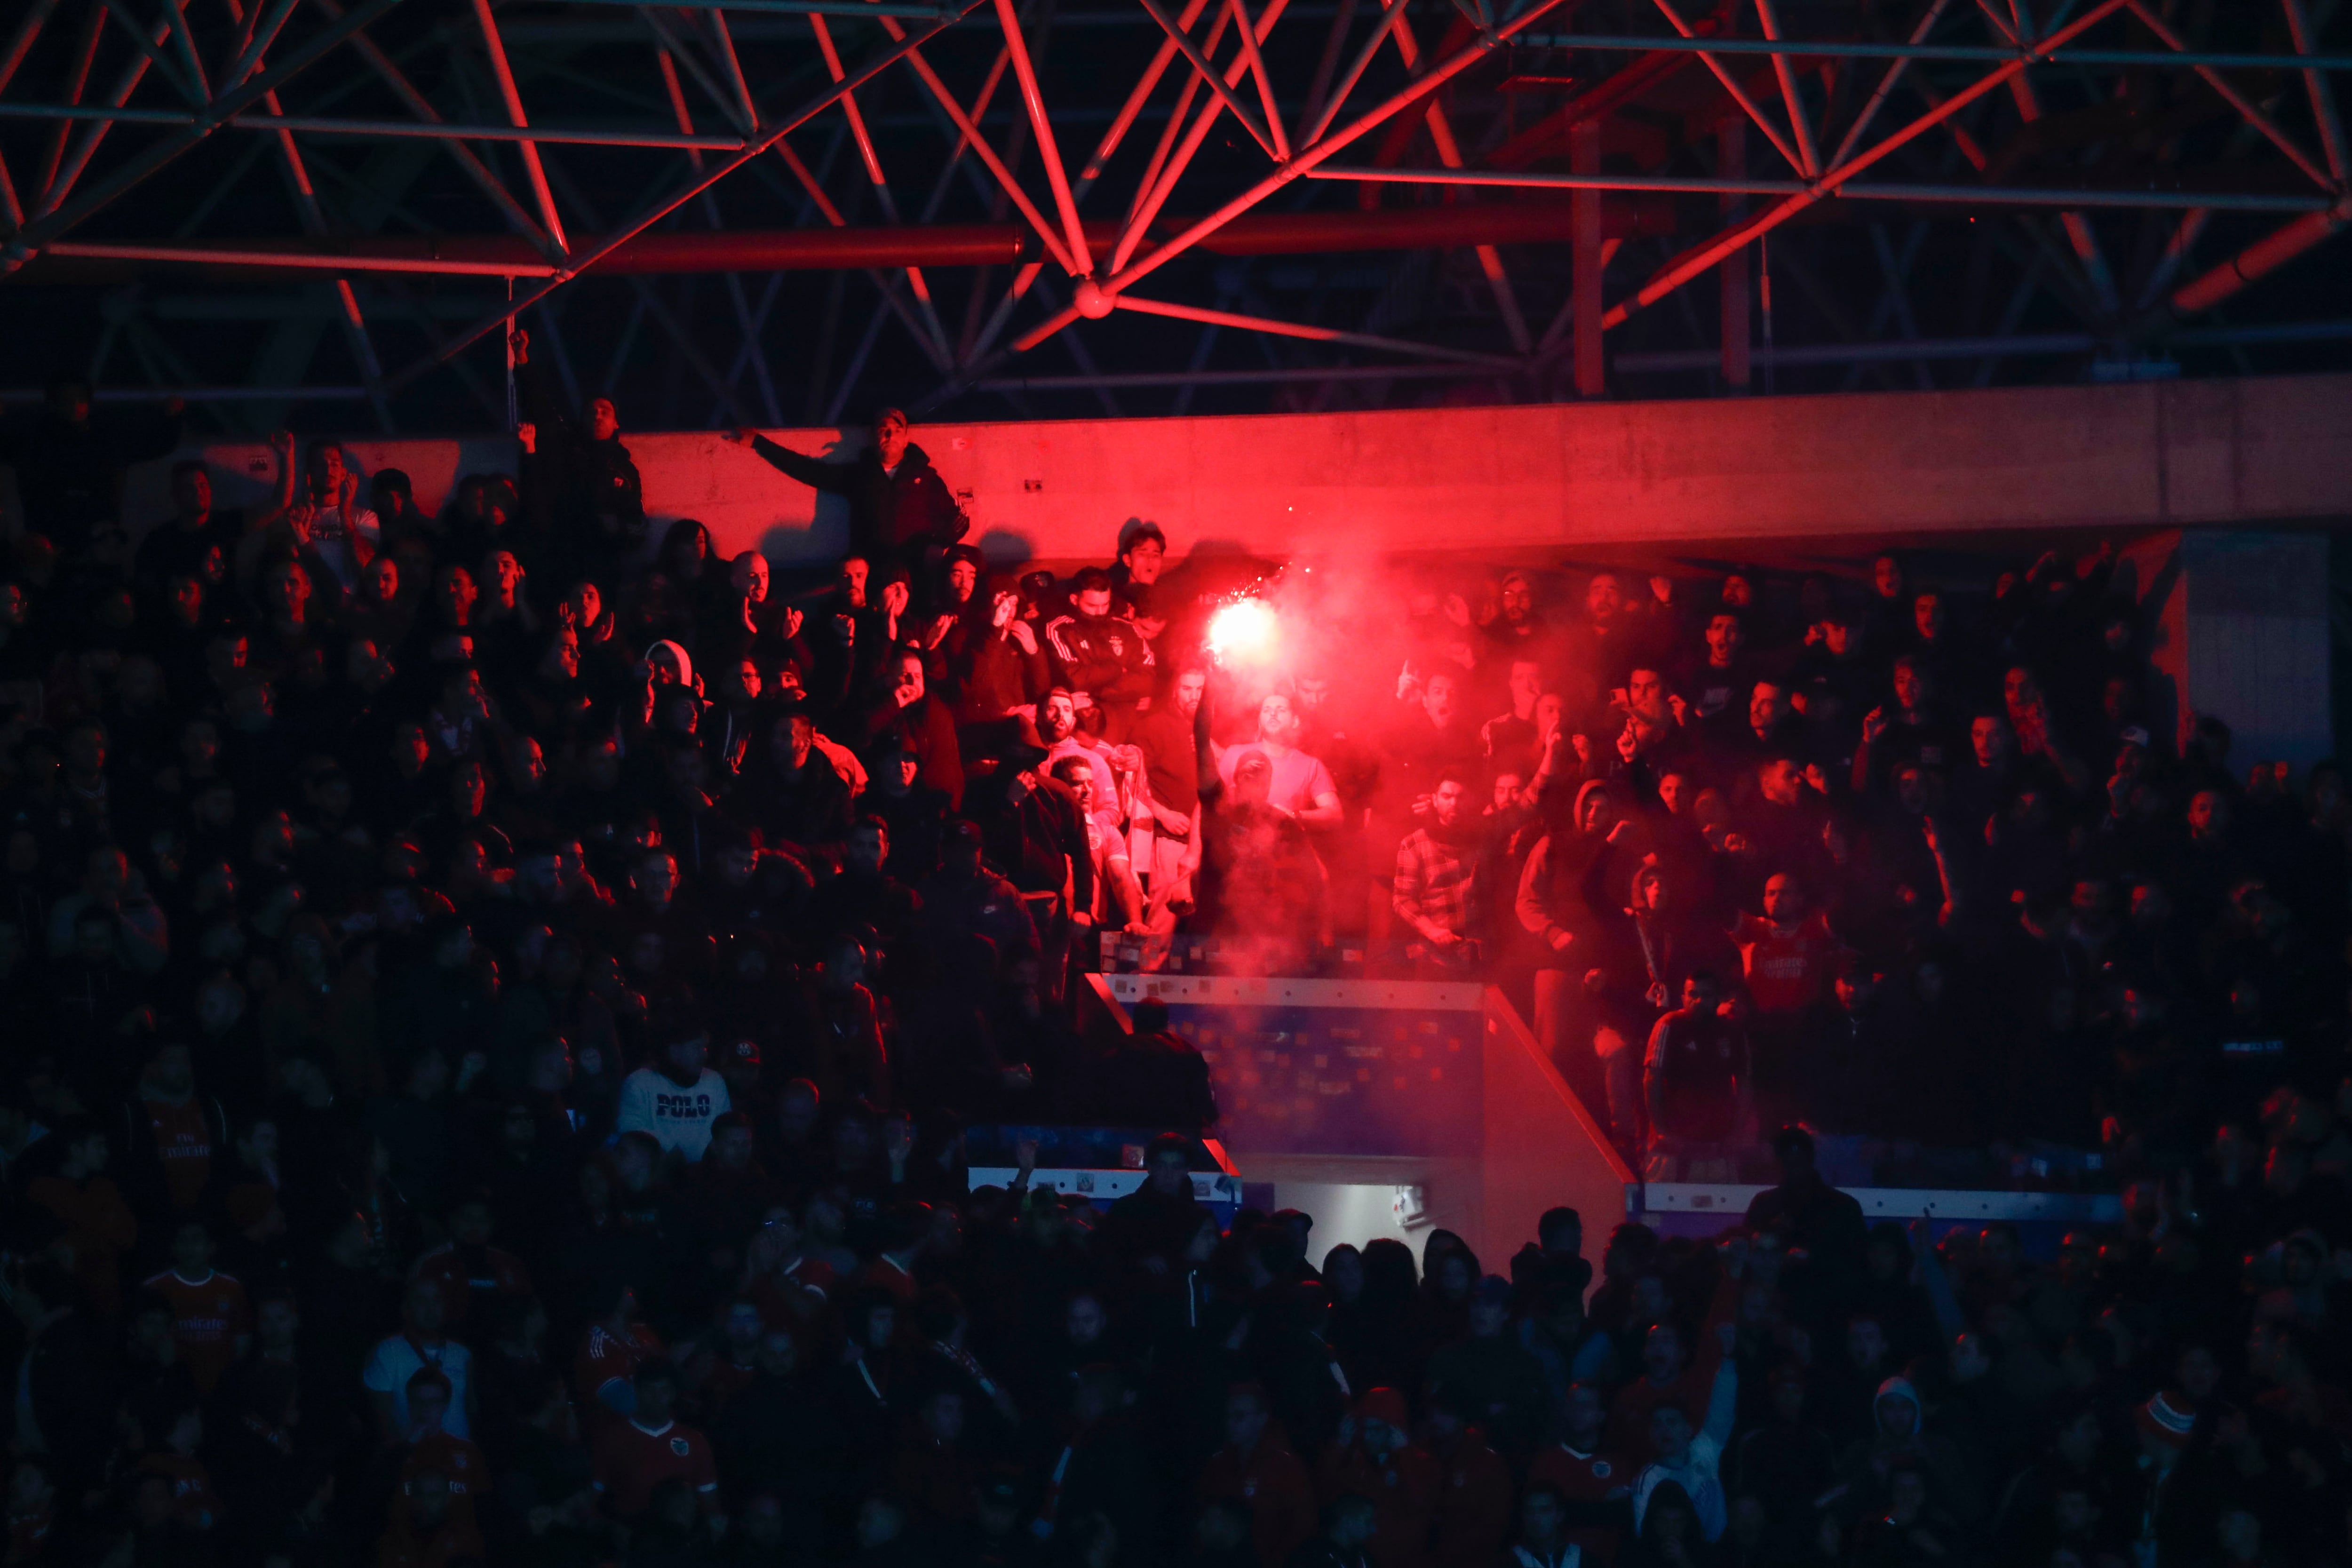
(1523, 482)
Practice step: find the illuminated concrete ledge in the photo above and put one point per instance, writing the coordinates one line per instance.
(1208, 1186)
(1890, 1203)
(1244, 991)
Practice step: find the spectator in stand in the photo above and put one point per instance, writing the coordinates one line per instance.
(679, 1102)
(72, 465)
(1696, 1081)
(899, 507)
(1436, 878)
(1102, 660)
(212, 1323)
(1256, 1468)
(1166, 826)
(370, 1039)
(1298, 784)
(1135, 578)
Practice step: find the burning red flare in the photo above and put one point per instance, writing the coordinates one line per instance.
(1244, 632)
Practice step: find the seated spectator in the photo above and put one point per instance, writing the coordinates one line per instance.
(366, 918)
(635, 1457)
(420, 1345)
(211, 1321)
(1375, 1458)
(1697, 1085)
(678, 1102)
(1256, 1468)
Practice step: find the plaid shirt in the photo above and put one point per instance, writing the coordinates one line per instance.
(1434, 881)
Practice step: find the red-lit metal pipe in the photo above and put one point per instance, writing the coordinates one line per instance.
(1260, 233)
(2264, 256)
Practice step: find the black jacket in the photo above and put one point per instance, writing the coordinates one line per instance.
(70, 476)
(891, 516)
(583, 501)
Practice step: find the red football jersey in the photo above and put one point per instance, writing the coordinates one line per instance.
(631, 1461)
(1786, 973)
(605, 1357)
(183, 1141)
(207, 1317)
(454, 1457)
(1582, 1478)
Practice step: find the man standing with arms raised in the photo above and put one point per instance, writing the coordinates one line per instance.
(898, 505)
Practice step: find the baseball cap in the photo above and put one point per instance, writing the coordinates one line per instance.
(745, 1051)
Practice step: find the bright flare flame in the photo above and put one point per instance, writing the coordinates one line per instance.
(1243, 632)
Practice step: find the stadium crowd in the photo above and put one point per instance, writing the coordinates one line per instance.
(492, 1000)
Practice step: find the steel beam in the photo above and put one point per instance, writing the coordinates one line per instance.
(62, 181)
(2263, 257)
(1731, 310)
(314, 222)
(1587, 264)
(1449, 153)
(372, 129)
(895, 8)
(2038, 345)
(1697, 259)
(152, 49)
(1747, 105)
(1801, 125)
(1272, 375)
(1057, 178)
(930, 326)
(20, 42)
(1124, 120)
(237, 91)
(2314, 82)
(2176, 254)
(1328, 110)
(201, 394)
(85, 56)
(503, 73)
(2046, 52)
(1213, 79)
(1153, 196)
(1874, 190)
(1862, 121)
(829, 249)
(1175, 311)
(979, 144)
(1246, 35)
(905, 47)
(744, 321)
(1337, 142)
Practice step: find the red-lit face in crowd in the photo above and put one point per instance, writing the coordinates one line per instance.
(1144, 559)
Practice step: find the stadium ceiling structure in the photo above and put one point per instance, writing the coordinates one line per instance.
(780, 212)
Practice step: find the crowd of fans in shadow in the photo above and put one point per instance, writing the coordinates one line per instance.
(493, 1003)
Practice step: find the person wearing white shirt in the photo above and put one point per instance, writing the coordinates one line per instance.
(678, 1100)
(1693, 1460)
(419, 1344)
(327, 516)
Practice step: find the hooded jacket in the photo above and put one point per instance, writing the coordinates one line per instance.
(1950, 1484)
